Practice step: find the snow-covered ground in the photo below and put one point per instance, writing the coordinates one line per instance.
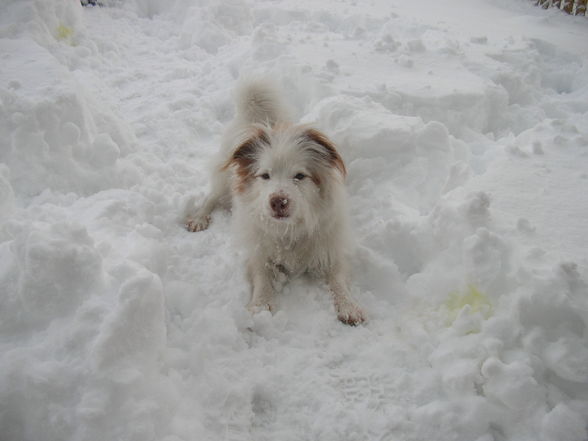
(464, 126)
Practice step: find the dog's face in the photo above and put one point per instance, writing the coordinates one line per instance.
(283, 176)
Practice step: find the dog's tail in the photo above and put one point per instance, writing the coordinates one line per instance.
(258, 101)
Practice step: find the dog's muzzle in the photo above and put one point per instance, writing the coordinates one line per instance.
(280, 206)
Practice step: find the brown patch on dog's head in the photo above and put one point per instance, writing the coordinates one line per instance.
(330, 152)
(316, 179)
(245, 156)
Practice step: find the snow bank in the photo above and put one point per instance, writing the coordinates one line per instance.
(62, 138)
(465, 145)
(46, 22)
(56, 141)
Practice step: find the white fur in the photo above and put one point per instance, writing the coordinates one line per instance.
(312, 236)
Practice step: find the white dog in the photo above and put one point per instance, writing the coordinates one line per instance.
(285, 184)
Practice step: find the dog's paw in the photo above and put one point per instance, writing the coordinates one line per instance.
(197, 223)
(256, 308)
(350, 314)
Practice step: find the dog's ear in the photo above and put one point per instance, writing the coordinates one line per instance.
(246, 153)
(328, 151)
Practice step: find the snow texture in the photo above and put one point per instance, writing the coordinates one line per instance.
(464, 127)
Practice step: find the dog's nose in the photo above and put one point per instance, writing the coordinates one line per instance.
(280, 205)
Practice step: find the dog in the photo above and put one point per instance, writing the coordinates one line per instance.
(285, 185)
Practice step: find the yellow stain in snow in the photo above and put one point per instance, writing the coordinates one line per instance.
(64, 33)
(473, 298)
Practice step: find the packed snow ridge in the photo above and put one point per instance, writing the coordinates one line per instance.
(464, 128)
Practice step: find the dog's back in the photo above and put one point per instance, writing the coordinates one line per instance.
(259, 102)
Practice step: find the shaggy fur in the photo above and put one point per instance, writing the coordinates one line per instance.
(285, 185)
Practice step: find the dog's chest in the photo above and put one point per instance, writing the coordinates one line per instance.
(300, 257)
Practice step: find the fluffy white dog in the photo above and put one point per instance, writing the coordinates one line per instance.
(285, 184)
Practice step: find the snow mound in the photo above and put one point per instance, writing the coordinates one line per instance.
(59, 141)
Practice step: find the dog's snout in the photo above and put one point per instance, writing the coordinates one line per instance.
(280, 205)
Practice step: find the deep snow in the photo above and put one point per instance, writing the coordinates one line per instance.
(464, 126)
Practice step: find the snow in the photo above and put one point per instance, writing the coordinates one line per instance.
(463, 125)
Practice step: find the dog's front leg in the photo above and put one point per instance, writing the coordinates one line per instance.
(261, 278)
(220, 194)
(200, 220)
(347, 310)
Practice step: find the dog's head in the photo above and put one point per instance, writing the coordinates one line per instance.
(286, 175)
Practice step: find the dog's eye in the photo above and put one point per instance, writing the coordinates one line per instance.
(299, 177)
(265, 176)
